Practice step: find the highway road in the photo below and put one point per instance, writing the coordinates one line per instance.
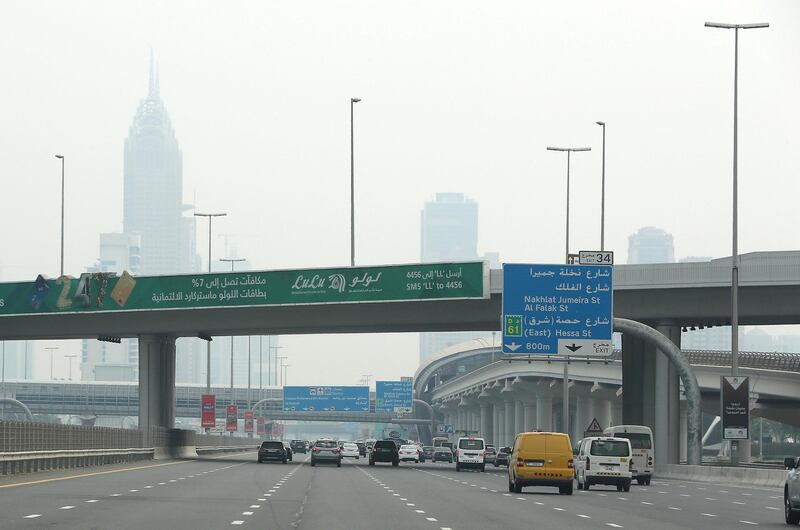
(233, 490)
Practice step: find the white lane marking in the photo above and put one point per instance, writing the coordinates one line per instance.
(662, 492)
(539, 503)
(182, 478)
(674, 508)
(708, 514)
(747, 494)
(410, 504)
(395, 494)
(748, 522)
(521, 498)
(90, 501)
(403, 499)
(133, 491)
(247, 513)
(262, 500)
(726, 491)
(68, 507)
(446, 528)
(115, 495)
(771, 508)
(602, 495)
(507, 494)
(739, 503)
(173, 480)
(771, 496)
(255, 506)
(32, 516)
(431, 519)
(623, 498)
(237, 522)
(710, 499)
(162, 483)
(702, 489)
(493, 491)
(583, 516)
(558, 509)
(420, 511)
(647, 503)
(483, 487)
(684, 495)
(272, 491)
(613, 525)
(148, 487)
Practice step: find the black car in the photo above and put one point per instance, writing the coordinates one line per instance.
(503, 454)
(362, 448)
(298, 446)
(427, 452)
(385, 451)
(272, 450)
(442, 454)
(289, 452)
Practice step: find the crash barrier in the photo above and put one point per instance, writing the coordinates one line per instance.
(30, 447)
(745, 476)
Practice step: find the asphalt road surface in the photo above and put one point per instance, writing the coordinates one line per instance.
(234, 490)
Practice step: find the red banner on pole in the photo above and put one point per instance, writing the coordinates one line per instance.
(232, 418)
(208, 411)
(248, 421)
(261, 426)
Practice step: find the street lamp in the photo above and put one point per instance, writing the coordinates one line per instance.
(210, 216)
(353, 101)
(603, 191)
(569, 151)
(233, 262)
(70, 357)
(269, 362)
(51, 348)
(281, 358)
(745, 445)
(61, 157)
(285, 371)
(735, 251)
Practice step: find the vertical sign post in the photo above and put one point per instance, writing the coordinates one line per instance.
(248, 422)
(232, 418)
(208, 411)
(261, 426)
(735, 411)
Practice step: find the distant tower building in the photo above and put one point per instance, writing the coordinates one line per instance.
(153, 206)
(650, 245)
(106, 361)
(449, 232)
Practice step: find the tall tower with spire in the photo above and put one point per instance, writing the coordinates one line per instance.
(153, 175)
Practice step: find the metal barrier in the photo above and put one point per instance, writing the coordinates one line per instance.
(32, 461)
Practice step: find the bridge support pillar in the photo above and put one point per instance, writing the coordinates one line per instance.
(519, 419)
(156, 384)
(651, 394)
(496, 424)
(603, 413)
(499, 411)
(486, 422)
(544, 413)
(510, 416)
(583, 415)
(529, 417)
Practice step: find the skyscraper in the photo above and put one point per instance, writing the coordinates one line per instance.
(153, 205)
(650, 245)
(449, 232)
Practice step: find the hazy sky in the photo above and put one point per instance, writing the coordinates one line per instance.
(457, 96)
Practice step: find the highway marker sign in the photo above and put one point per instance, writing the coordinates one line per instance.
(558, 310)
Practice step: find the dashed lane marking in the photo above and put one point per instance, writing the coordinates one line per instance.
(674, 508)
(32, 516)
(708, 514)
(68, 507)
(748, 522)
(237, 522)
(91, 501)
(583, 516)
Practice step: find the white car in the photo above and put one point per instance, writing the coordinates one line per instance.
(604, 460)
(409, 453)
(350, 450)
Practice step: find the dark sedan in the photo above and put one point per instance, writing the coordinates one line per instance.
(272, 450)
(503, 454)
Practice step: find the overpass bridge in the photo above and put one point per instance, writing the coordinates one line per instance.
(666, 297)
(475, 388)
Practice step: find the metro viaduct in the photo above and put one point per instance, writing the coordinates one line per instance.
(666, 297)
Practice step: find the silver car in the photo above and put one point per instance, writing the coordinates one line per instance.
(326, 451)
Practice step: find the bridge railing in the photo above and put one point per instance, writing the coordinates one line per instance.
(784, 362)
(25, 436)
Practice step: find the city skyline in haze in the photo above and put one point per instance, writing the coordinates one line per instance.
(260, 97)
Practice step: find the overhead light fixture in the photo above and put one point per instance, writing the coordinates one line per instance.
(108, 338)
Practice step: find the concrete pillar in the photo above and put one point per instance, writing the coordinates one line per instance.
(529, 417)
(667, 400)
(519, 418)
(603, 413)
(582, 419)
(495, 424)
(500, 410)
(486, 422)
(683, 434)
(156, 384)
(616, 412)
(544, 413)
(638, 382)
(509, 417)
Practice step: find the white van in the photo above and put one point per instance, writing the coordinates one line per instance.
(641, 438)
(603, 460)
(470, 452)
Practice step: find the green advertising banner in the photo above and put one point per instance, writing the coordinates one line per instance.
(109, 292)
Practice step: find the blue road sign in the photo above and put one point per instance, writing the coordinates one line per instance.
(558, 309)
(393, 396)
(444, 428)
(320, 398)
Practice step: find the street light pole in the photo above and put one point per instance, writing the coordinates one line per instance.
(745, 445)
(353, 101)
(603, 191)
(61, 157)
(51, 348)
(70, 357)
(735, 245)
(233, 262)
(208, 343)
(565, 389)
(281, 358)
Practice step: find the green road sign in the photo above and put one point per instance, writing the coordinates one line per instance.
(108, 292)
(513, 326)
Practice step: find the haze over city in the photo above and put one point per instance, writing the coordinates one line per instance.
(457, 97)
